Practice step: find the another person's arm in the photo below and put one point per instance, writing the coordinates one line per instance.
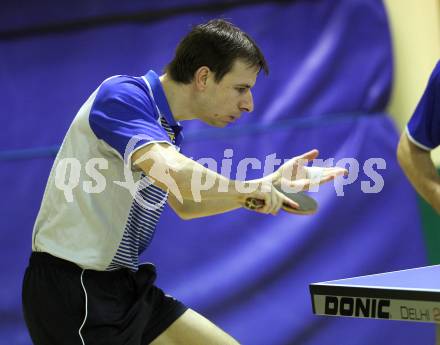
(420, 170)
(421, 135)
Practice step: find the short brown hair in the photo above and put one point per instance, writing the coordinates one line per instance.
(216, 44)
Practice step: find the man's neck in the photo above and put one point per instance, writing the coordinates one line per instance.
(179, 98)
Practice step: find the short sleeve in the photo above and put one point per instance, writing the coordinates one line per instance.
(423, 128)
(124, 116)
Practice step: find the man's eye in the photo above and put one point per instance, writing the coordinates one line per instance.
(241, 89)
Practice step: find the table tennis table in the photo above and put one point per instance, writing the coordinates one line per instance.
(409, 295)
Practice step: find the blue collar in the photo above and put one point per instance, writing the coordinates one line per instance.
(162, 104)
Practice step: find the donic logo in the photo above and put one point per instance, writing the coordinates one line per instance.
(359, 307)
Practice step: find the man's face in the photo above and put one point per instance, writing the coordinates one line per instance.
(223, 103)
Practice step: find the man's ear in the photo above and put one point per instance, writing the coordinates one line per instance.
(201, 77)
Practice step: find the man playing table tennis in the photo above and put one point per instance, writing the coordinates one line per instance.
(422, 134)
(84, 284)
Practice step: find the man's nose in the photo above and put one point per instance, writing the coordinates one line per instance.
(247, 104)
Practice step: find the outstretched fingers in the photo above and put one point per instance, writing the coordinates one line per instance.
(325, 175)
(309, 155)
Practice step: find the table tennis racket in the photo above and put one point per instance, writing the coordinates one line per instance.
(307, 205)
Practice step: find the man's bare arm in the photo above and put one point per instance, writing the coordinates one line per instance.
(190, 209)
(420, 170)
(182, 178)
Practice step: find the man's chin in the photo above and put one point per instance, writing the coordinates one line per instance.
(217, 123)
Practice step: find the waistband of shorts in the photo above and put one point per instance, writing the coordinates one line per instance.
(46, 259)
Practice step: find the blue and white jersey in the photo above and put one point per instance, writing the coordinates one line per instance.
(97, 211)
(423, 128)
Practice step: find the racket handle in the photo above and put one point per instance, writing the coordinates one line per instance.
(254, 203)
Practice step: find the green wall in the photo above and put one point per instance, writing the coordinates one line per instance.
(431, 229)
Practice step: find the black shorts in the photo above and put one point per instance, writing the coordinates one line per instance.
(66, 305)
